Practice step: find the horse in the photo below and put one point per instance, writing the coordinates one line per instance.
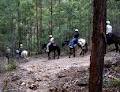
(114, 39)
(81, 43)
(22, 54)
(52, 48)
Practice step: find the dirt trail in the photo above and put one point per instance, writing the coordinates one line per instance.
(44, 70)
(40, 72)
(54, 66)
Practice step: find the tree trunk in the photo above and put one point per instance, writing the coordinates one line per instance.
(40, 25)
(98, 46)
(51, 23)
(37, 27)
(18, 24)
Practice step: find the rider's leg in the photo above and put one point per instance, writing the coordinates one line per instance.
(70, 52)
(48, 55)
(75, 42)
(74, 51)
(71, 44)
(54, 54)
(47, 50)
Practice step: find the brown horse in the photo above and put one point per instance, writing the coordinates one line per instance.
(114, 38)
(52, 48)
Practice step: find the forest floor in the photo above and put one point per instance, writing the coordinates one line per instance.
(60, 75)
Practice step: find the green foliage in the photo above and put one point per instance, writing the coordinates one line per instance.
(115, 82)
(19, 20)
(11, 66)
(113, 13)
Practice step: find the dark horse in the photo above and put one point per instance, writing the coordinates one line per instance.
(114, 38)
(84, 47)
(52, 48)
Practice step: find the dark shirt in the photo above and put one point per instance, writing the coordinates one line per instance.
(20, 49)
(76, 35)
(8, 52)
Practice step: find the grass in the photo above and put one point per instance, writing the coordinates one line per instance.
(11, 66)
(115, 82)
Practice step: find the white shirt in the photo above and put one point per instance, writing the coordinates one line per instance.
(8, 50)
(108, 29)
(52, 40)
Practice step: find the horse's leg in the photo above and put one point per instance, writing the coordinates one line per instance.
(48, 55)
(70, 52)
(83, 51)
(58, 54)
(80, 53)
(74, 52)
(8, 59)
(117, 47)
(54, 54)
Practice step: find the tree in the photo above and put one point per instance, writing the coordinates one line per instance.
(37, 25)
(51, 12)
(98, 46)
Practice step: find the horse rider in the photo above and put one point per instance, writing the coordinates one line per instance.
(74, 41)
(20, 49)
(51, 42)
(108, 30)
(8, 53)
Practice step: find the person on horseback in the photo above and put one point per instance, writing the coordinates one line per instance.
(74, 41)
(8, 53)
(108, 31)
(21, 48)
(51, 42)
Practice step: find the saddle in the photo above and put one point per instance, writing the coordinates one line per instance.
(53, 44)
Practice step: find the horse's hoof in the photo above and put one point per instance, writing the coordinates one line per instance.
(49, 58)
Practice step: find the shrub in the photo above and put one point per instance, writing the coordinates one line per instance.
(11, 66)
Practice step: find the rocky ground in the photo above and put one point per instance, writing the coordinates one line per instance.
(60, 75)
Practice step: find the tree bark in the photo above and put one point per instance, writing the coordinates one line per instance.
(40, 25)
(51, 23)
(37, 26)
(98, 46)
(18, 23)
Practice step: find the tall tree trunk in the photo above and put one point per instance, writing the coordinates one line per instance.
(40, 26)
(98, 46)
(90, 22)
(18, 23)
(37, 26)
(59, 15)
(51, 23)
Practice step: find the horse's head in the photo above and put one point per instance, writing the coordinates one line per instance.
(65, 43)
(43, 46)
